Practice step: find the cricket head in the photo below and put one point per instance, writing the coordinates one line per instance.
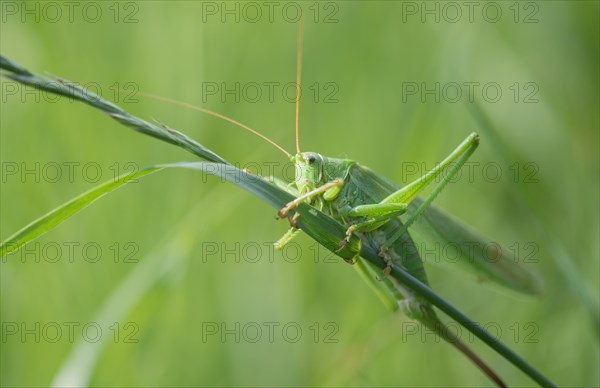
(310, 168)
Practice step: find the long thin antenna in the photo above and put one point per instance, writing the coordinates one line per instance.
(298, 77)
(203, 110)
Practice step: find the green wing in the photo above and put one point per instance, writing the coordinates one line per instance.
(449, 239)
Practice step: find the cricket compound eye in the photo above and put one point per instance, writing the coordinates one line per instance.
(311, 159)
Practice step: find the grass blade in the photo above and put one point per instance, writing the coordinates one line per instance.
(72, 90)
(59, 214)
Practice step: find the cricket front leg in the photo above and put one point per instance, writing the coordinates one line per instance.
(331, 188)
(286, 238)
(293, 231)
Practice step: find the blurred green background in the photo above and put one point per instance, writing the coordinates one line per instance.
(178, 254)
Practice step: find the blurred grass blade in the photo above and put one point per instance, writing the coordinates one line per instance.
(166, 257)
(510, 155)
(80, 364)
(59, 214)
(538, 215)
(572, 276)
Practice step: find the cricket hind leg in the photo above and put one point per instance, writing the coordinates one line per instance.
(397, 203)
(460, 156)
(461, 153)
